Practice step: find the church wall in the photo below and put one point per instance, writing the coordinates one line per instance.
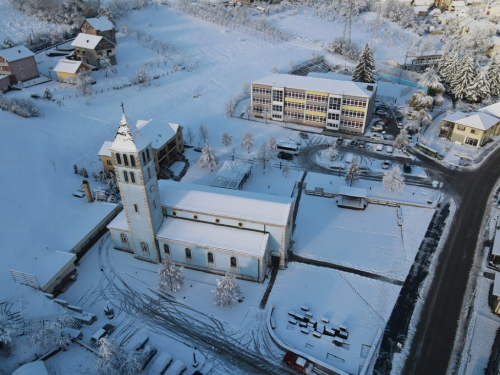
(248, 266)
(117, 243)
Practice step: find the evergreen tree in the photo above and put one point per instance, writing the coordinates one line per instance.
(448, 68)
(464, 77)
(421, 100)
(353, 172)
(431, 80)
(170, 276)
(480, 89)
(363, 72)
(393, 181)
(227, 292)
(208, 158)
(493, 73)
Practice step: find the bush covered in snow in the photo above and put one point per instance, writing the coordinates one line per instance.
(342, 47)
(21, 107)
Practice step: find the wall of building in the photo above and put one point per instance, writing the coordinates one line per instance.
(462, 135)
(91, 56)
(20, 70)
(88, 29)
(117, 242)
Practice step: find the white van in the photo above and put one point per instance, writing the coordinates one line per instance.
(161, 364)
(96, 337)
(177, 368)
(289, 147)
(388, 150)
(349, 158)
(379, 147)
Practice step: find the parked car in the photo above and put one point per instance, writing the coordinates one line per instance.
(136, 342)
(382, 106)
(109, 328)
(377, 136)
(353, 143)
(376, 128)
(407, 168)
(399, 124)
(337, 167)
(379, 147)
(145, 354)
(362, 144)
(410, 138)
(381, 112)
(285, 155)
(97, 336)
(388, 137)
(340, 141)
(160, 364)
(364, 170)
(298, 363)
(382, 123)
(197, 149)
(176, 368)
(389, 149)
(386, 164)
(303, 135)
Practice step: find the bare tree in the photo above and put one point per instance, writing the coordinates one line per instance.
(229, 108)
(203, 132)
(264, 156)
(332, 152)
(247, 141)
(106, 65)
(248, 110)
(272, 144)
(353, 172)
(226, 139)
(7, 329)
(401, 140)
(190, 135)
(286, 170)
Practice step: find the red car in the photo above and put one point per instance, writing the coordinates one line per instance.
(298, 363)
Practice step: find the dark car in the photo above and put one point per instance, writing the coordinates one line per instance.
(362, 144)
(285, 156)
(353, 143)
(340, 141)
(109, 328)
(407, 168)
(303, 135)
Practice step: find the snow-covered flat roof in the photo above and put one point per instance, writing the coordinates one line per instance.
(15, 53)
(158, 133)
(237, 204)
(477, 120)
(496, 285)
(214, 236)
(100, 23)
(493, 109)
(496, 244)
(69, 66)
(86, 41)
(104, 151)
(318, 84)
(119, 222)
(352, 191)
(32, 368)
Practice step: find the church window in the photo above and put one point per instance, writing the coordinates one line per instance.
(144, 248)
(147, 153)
(154, 203)
(210, 258)
(118, 159)
(174, 213)
(233, 262)
(125, 176)
(195, 217)
(136, 208)
(240, 224)
(132, 160)
(149, 173)
(144, 157)
(217, 221)
(125, 159)
(108, 162)
(132, 177)
(189, 253)
(124, 238)
(166, 249)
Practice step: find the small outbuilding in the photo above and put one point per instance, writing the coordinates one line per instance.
(71, 69)
(352, 197)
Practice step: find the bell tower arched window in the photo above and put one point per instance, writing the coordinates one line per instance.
(166, 249)
(132, 160)
(189, 254)
(125, 176)
(144, 248)
(144, 158)
(233, 262)
(125, 159)
(132, 177)
(210, 258)
(118, 159)
(124, 238)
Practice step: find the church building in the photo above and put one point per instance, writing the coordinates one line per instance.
(199, 227)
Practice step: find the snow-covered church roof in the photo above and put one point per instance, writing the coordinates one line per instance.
(128, 138)
(236, 204)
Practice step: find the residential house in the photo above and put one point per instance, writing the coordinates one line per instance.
(66, 69)
(448, 16)
(18, 63)
(473, 128)
(200, 227)
(495, 45)
(456, 5)
(99, 26)
(167, 145)
(420, 11)
(492, 9)
(90, 48)
(469, 24)
(317, 102)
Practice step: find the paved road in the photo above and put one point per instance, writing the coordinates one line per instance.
(433, 341)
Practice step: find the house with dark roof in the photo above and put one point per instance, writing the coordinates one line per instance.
(18, 63)
(91, 48)
(99, 26)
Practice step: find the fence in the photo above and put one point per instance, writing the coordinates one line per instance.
(310, 62)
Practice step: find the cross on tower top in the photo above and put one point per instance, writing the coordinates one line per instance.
(123, 109)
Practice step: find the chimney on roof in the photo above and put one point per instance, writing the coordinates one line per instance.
(88, 192)
(369, 88)
(19, 50)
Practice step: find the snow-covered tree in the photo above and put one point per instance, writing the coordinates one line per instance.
(19, 106)
(7, 329)
(401, 140)
(263, 157)
(140, 76)
(286, 170)
(353, 172)
(247, 141)
(432, 81)
(114, 361)
(332, 152)
(493, 72)
(229, 108)
(47, 94)
(227, 292)
(393, 180)
(203, 132)
(480, 88)
(421, 100)
(399, 13)
(226, 139)
(248, 111)
(7, 43)
(342, 47)
(423, 117)
(208, 158)
(190, 136)
(48, 332)
(170, 276)
(106, 65)
(475, 43)
(464, 77)
(363, 72)
(448, 66)
(272, 143)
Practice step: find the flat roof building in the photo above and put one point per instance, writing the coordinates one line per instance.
(322, 103)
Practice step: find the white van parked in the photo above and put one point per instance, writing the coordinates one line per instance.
(379, 147)
(161, 364)
(349, 158)
(96, 337)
